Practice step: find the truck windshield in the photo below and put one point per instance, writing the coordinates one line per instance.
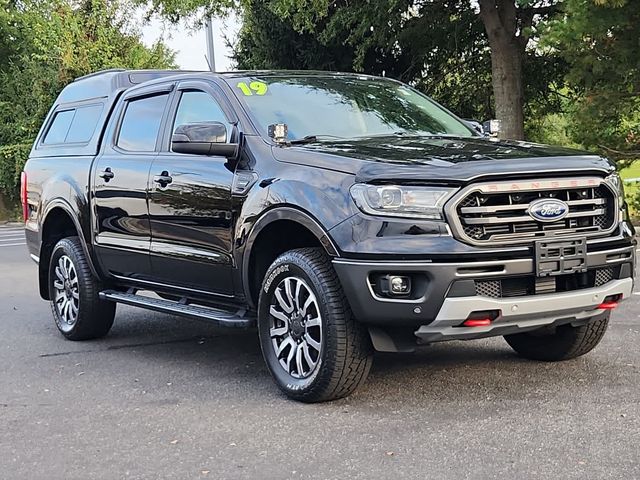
(343, 107)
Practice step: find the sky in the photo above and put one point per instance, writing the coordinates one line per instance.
(190, 46)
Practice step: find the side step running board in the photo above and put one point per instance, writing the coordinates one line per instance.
(219, 317)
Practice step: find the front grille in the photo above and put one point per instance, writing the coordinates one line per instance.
(498, 213)
(489, 288)
(521, 286)
(603, 276)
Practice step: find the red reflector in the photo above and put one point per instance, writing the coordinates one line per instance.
(477, 322)
(607, 305)
(23, 196)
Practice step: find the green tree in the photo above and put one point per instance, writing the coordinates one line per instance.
(600, 39)
(469, 55)
(45, 45)
(510, 27)
(451, 63)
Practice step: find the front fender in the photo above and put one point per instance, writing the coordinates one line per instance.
(318, 204)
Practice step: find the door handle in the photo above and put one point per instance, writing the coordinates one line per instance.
(163, 179)
(106, 174)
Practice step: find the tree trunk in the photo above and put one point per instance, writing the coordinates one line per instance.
(500, 18)
(506, 68)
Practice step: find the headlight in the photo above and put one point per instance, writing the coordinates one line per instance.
(617, 185)
(401, 201)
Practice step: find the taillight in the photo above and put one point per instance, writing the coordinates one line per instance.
(23, 196)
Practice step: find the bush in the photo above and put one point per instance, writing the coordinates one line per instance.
(12, 160)
(45, 44)
(632, 191)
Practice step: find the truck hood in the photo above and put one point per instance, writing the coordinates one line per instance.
(454, 159)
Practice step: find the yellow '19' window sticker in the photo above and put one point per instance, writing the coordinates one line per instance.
(259, 88)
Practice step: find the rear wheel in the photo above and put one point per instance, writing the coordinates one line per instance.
(562, 343)
(313, 347)
(77, 309)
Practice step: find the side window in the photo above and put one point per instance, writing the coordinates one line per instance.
(84, 124)
(196, 107)
(73, 126)
(141, 123)
(59, 127)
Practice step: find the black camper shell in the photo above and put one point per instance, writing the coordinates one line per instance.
(72, 126)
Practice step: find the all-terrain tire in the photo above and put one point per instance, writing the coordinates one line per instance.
(565, 343)
(345, 354)
(86, 316)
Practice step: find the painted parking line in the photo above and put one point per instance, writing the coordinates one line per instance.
(13, 235)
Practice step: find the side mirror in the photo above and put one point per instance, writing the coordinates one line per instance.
(477, 126)
(204, 138)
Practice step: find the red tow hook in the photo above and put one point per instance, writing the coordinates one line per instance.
(481, 318)
(607, 305)
(610, 302)
(477, 322)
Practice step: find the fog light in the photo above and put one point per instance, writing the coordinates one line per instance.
(400, 285)
(394, 285)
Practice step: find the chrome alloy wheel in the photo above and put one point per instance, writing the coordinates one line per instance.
(67, 295)
(295, 327)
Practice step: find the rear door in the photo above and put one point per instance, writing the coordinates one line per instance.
(120, 179)
(190, 205)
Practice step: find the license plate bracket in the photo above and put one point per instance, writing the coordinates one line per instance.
(560, 257)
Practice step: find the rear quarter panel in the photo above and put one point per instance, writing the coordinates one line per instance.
(58, 182)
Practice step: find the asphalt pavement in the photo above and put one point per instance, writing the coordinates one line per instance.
(166, 398)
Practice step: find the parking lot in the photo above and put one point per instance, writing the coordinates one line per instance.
(164, 397)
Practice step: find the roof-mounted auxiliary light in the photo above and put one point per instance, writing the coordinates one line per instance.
(279, 132)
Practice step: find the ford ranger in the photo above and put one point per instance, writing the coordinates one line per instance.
(339, 214)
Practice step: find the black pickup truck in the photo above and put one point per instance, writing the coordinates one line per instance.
(338, 213)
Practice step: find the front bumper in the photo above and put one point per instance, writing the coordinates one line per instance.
(520, 314)
(449, 295)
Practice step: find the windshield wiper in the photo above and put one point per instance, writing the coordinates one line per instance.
(311, 139)
(410, 134)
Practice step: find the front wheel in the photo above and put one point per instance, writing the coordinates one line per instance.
(562, 343)
(313, 347)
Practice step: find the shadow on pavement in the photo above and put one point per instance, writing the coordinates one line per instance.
(459, 371)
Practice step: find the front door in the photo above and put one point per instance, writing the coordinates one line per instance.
(120, 179)
(190, 205)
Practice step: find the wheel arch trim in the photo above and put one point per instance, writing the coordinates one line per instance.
(65, 206)
(283, 213)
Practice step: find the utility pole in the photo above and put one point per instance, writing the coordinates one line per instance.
(211, 58)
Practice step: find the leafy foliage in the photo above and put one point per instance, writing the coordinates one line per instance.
(49, 43)
(267, 41)
(600, 39)
(439, 47)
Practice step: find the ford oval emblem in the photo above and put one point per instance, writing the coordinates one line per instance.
(548, 210)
